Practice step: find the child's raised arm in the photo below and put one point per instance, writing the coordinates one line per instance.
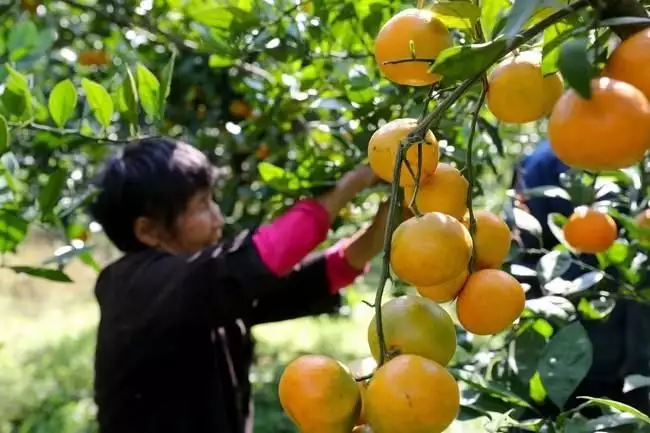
(286, 241)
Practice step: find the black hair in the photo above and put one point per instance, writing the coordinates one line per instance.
(152, 177)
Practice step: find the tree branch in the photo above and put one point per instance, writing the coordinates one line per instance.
(622, 8)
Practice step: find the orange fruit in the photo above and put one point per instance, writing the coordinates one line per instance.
(93, 58)
(589, 230)
(553, 90)
(430, 249)
(262, 151)
(629, 61)
(384, 145)
(609, 131)
(490, 301)
(30, 6)
(363, 386)
(319, 395)
(643, 222)
(412, 394)
(517, 90)
(446, 291)
(491, 240)
(240, 109)
(417, 326)
(428, 36)
(445, 191)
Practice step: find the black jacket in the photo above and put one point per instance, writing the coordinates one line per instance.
(174, 346)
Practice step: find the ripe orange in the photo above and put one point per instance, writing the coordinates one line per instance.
(490, 301)
(319, 394)
(446, 291)
(412, 394)
(429, 37)
(589, 230)
(262, 152)
(517, 90)
(643, 222)
(93, 58)
(417, 326)
(629, 61)
(445, 191)
(491, 240)
(363, 387)
(553, 90)
(30, 5)
(430, 249)
(384, 145)
(240, 109)
(609, 131)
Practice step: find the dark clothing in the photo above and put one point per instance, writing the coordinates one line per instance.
(621, 342)
(174, 346)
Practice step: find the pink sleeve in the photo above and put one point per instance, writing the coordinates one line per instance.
(340, 273)
(285, 242)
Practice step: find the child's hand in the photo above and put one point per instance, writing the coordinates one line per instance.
(348, 187)
(369, 242)
(357, 180)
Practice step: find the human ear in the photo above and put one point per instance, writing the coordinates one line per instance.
(147, 232)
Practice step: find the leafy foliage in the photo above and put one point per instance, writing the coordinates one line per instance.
(283, 97)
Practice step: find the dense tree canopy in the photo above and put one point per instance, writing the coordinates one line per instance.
(284, 96)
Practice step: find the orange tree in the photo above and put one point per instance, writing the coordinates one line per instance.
(286, 96)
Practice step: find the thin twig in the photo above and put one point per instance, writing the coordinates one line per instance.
(394, 205)
(409, 60)
(67, 132)
(470, 172)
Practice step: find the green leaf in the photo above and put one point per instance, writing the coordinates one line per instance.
(51, 192)
(99, 101)
(619, 407)
(148, 90)
(527, 222)
(17, 98)
(528, 349)
(547, 191)
(13, 229)
(464, 61)
(491, 12)
(553, 265)
(127, 98)
(565, 363)
(457, 14)
(555, 308)
(279, 178)
(551, 51)
(521, 12)
(166, 83)
(4, 135)
(62, 102)
(555, 223)
(221, 60)
(575, 66)
(45, 273)
(22, 38)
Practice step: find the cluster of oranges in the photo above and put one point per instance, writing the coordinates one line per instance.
(608, 130)
(412, 390)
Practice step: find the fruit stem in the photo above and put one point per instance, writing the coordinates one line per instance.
(420, 4)
(394, 205)
(408, 60)
(470, 171)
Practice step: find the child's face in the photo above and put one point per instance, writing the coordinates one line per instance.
(199, 226)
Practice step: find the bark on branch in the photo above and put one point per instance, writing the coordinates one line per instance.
(622, 8)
